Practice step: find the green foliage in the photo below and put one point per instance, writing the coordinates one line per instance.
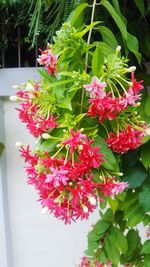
(1, 148)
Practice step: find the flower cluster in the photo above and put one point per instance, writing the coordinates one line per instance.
(29, 114)
(85, 263)
(49, 60)
(70, 177)
(65, 183)
(106, 106)
(128, 138)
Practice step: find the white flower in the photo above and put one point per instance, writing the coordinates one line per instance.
(30, 87)
(85, 209)
(13, 98)
(92, 200)
(19, 144)
(131, 69)
(44, 210)
(46, 136)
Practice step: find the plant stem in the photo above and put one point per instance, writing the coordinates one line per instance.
(87, 55)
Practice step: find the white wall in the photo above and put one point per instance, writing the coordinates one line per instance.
(37, 240)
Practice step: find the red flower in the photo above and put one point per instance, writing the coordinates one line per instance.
(136, 86)
(48, 59)
(75, 140)
(125, 140)
(105, 108)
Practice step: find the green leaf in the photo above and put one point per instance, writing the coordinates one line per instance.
(1, 148)
(108, 215)
(65, 103)
(135, 176)
(88, 28)
(147, 260)
(144, 195)
(133, 241)
(97, 60)
(76, 13)
(108, 37)
(133, 46)
(113, 204)
(118, 20)
(80, 117)
(119, 240)
(99, 229)
(110, 161)
(60, 83)
(145, 155)
(147, 106)
(134, 214)
(140, 5)
(112, 252)
(106, 49)
(146, 247)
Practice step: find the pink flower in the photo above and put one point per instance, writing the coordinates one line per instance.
(129, 98)
(118, 188)
(58, 176)
(48, 59)
(95, 88)
(84, 262)
(136, 86)
(125, 140)
(75, 140)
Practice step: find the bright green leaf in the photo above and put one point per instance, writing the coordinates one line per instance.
(147, 260)
(108, 36)
(76, 13)
(146, 247)
(112, 252)
(97, 60)
(119, 240)
(88, 28)
(110, 161)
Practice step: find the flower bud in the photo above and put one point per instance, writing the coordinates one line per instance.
(131, 69)
(85, 209)
(15, 86)
(14, 98)
(30, 87)
(92, 200)
(46, 136)
(19, 144)
(118, 49)
(147, 131)
(44, 210)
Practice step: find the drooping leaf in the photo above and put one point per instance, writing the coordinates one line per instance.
(81, 34)
(146, 260)
(133, 46)
(134, 214)
(112, 252)
(140, 5)
(108, 36)
(118, 20)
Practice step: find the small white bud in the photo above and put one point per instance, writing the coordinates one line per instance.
(85, 209)
(131, 69)
(30, 87)
(44, 210)
(82, 130)
(147, 131)
(15, 86)
(19, 144)
(13, 98)
(92, 200)
(138, 104)
(120, 173)
(46, 136)
(118, 49)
